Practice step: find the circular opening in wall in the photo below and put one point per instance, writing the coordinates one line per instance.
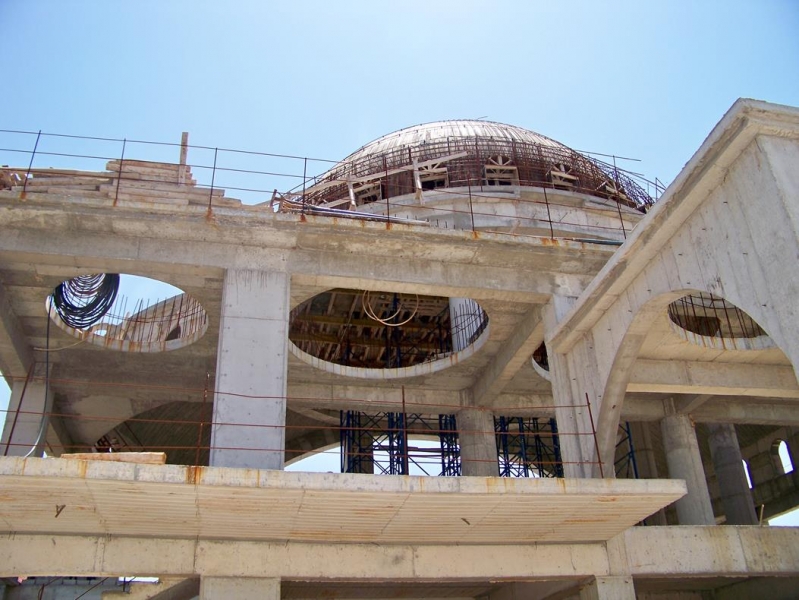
(712, 321)
(540, 361)
(385, 334)
(126, 312)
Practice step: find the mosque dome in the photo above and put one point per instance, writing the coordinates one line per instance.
(464, 153)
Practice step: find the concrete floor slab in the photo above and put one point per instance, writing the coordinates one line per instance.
(100, 498)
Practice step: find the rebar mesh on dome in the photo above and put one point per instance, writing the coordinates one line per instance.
(711, 316)
(535, 165)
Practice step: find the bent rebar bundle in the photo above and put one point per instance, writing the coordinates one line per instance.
(84, 300)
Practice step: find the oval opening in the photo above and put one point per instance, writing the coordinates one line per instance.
(369, 334)
(703, 318)
(126, 313)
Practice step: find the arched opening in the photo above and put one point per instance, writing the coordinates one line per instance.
(781, 456)
(746, 472)
(712, 321)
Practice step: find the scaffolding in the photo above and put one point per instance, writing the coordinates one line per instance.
(625, 464)
(528, 447)
(378, 443)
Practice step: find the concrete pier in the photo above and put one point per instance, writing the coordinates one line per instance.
(250, 400)
(736, 497)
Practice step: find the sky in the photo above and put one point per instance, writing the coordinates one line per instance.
(645, 80)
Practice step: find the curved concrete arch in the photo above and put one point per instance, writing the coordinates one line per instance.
(732, 231)
(621, 370)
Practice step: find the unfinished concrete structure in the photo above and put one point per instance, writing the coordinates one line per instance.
(526, 307)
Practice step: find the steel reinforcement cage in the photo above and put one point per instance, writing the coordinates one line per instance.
(535, 165)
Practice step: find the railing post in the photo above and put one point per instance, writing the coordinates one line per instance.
(471, 210)
(213, 179)
(30, 164)
(549, 214)
(119, 173)
(202, 416)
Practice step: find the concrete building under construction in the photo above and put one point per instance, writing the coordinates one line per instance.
(538, 375)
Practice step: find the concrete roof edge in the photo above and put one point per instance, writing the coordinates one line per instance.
(745, 119)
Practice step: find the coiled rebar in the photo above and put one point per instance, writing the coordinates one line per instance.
(82, 301)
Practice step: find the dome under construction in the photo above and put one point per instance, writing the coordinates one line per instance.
(466, 154)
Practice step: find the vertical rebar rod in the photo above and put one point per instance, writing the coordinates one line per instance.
(388, 204)
(202, 415)
(304, 177)
(549, 214)
(30, 164)
(213, 179)
(119, 173)
(471, 210)
(593, 432)
(616, 200)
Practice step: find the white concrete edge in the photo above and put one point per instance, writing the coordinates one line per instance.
(56, 468)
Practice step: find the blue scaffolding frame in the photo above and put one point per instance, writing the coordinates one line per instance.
(528, 447)
(625, 465)
(378, 443)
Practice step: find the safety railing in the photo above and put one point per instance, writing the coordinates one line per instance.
(181, 428)
(113, 168)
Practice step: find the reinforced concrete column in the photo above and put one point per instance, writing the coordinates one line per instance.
(609, 588)
(24, 422)
(478, 443)
(685, 462)
(573, 422)
(250, 396)
(240, 588)
(736, 498)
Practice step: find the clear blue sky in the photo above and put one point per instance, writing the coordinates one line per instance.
(321, 78)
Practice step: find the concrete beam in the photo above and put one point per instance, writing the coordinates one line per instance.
(730, 551)
(103, 556)
(723, 409)
(376, 399)
(714, 378)
(446, 264)
(663, 552)
(528, 335)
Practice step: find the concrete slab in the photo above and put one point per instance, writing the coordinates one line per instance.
(99, 498)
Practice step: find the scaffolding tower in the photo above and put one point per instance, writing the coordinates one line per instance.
(528, 447)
